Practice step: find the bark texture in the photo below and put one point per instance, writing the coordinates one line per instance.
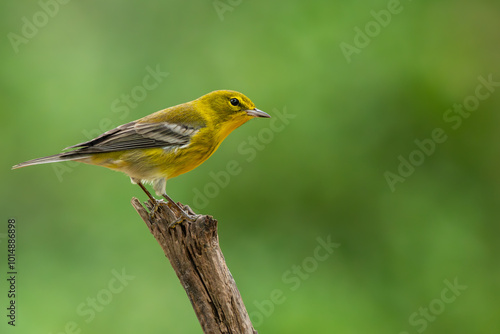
(193, 251)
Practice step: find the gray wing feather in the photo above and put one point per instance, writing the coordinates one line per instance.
(138, 135)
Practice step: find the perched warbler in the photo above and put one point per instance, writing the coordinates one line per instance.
(165, 144)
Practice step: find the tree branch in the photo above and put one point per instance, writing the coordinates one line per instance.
(194, 253)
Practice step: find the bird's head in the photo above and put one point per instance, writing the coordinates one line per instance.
(228, 109)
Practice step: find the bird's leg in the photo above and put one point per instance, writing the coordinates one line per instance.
(183, 213)
(159, 187)
(153, 200)
(147, 192)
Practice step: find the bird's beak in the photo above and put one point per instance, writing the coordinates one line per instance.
(257, 113)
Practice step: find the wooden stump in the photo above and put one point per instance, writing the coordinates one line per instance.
(194, 253)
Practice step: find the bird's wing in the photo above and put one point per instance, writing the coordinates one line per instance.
(135, 135)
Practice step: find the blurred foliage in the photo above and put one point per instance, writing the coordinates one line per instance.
(320, 175)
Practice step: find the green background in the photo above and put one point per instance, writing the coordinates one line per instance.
(321, 174)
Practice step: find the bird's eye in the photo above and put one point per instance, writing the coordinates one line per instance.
(234, 101)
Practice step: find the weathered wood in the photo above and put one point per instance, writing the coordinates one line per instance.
(193, 251)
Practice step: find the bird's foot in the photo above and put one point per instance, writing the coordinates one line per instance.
(183, 216)
(156, 207)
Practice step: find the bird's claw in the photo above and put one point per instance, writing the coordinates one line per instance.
(156, 206)
(184, 216)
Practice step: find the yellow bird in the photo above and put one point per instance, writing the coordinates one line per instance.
(165, 144)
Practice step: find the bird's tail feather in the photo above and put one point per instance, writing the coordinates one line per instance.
(52, 158)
